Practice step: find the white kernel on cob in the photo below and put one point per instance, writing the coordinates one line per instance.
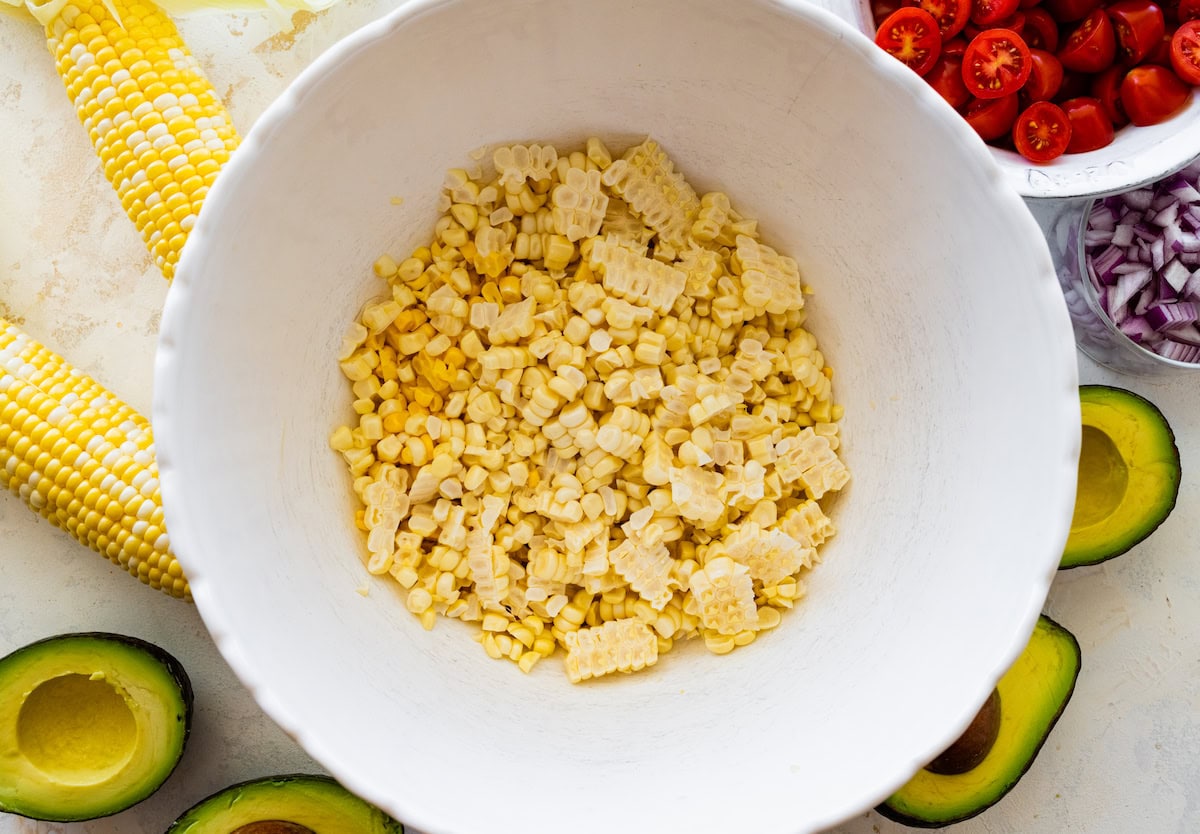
(646, 179)
(627, 645)
(83, 460)
(156, 123)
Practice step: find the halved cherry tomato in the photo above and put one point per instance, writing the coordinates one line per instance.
(1068, 11)
(993, 117)
(1185, 52)
(1139, 27)
(991, 12)
(911, 36)
(1090, 127)
(882, 9)
(951, 15)
(1045, 77)
(996, 64)
(1161, 53)
(1041, 32)
(1151, 94)
(1106, 87)
(1042, 132)
(1187, 10)
(1015, 22)
(946, 79)
(1092, 46)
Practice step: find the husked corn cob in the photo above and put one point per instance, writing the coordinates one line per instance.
(156, 123)
(82, 459)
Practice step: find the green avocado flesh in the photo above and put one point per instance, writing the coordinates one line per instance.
(1032, 695)
(293, 804)
(90, 724)
(1128, 475)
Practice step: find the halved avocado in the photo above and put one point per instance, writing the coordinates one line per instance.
(1031, 696)
(90, 724)
(292, 804)
(1129, 475)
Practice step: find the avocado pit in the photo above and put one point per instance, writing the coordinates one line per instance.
(972, 747)
(273, 827)
(76, 729)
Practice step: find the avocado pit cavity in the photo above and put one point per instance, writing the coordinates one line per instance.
(77, 730)
(273, 827)
(1103, 478)
(974, 744)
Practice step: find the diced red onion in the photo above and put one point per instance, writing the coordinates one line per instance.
(1138, 329)
(1177, 275)
(1184, 191)
(1179, 351)
(1140, 199)
(1168, 316)
(1143, 257)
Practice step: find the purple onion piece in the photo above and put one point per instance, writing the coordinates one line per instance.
(1179, 351)
(1123, 235)
(1138, 329)
(1183, 191)
(1168, 315)
(1139, 199)
(1103, 264)
(1189, 334)
(1177, 275)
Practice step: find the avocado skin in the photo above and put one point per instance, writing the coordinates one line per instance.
(1077, 553)
(889, 810)
(164, 658)
(211, 808)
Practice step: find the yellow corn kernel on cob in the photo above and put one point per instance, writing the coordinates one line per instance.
(83, 459)
(626, 645)
(156, 123)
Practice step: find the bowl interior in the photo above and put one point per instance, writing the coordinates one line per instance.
(935, 302)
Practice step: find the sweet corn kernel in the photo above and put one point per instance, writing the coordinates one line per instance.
(540, 377)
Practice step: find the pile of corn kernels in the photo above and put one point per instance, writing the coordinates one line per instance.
(589, 415)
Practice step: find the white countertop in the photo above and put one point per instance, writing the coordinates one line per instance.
(1125, 757)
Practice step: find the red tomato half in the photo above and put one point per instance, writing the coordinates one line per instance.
(1042, 132)
(911, 36)
(990, 12)
(1106, 87)
(1041, 31)
(946, 79)
(1185, 52)
(951, 15)
(1067, 11)
(1188, 10)
(1092, 46)
(1139, 27)
(1090, 127)
(1152, 94)
(1045, 77)
(1161, 53)
(992, 117)
(996, 64)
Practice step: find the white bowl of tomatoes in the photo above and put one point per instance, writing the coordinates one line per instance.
(1076, 98)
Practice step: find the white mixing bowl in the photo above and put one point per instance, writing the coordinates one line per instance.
(935, 301)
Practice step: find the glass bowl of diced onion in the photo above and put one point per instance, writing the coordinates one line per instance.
(933, 296)
(1129, 265)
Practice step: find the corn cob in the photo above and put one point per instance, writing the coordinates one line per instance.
(156, 123)
(83, 459)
